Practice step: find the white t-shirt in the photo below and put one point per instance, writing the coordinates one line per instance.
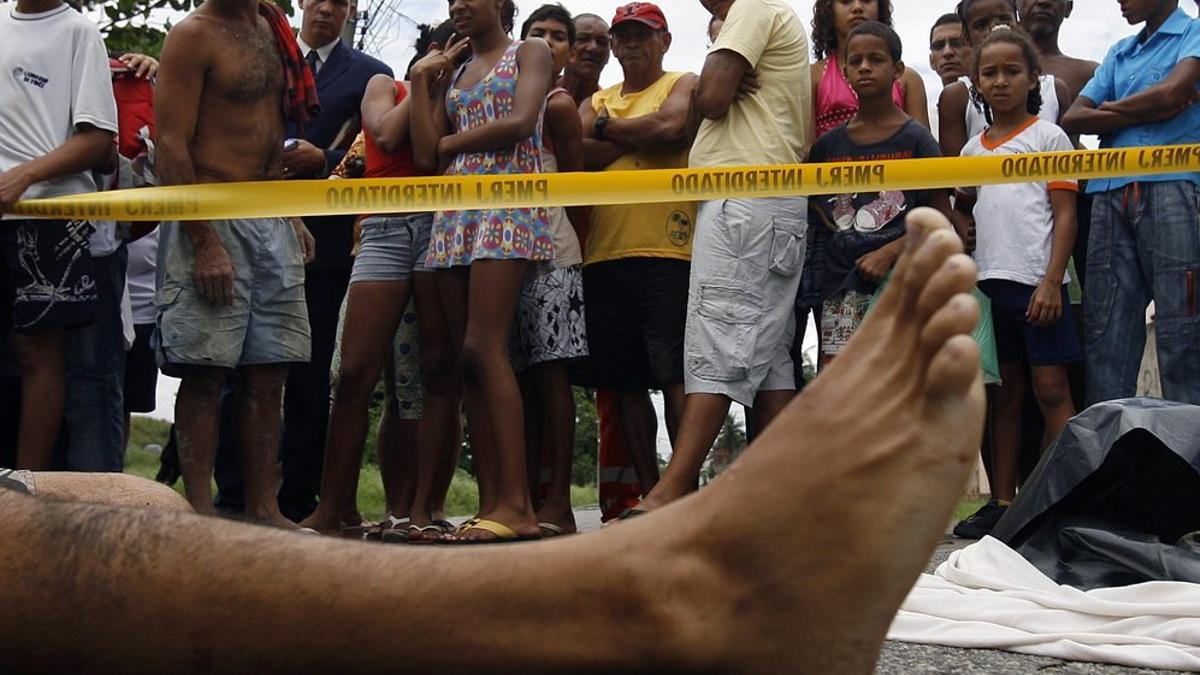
(140, 278)
(53, 76)
(977, 123)
(1014, 223)
(567, 252)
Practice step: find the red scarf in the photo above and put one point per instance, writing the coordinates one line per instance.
(300, 104)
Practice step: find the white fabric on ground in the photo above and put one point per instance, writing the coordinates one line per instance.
(987, 596)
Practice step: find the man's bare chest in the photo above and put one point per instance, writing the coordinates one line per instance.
(248, 68)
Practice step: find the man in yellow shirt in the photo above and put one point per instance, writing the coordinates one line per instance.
(636, 259)
(747, 253)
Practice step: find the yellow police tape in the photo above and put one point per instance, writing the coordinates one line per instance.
(219, 201)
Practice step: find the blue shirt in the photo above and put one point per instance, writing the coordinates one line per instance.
(1132, 66)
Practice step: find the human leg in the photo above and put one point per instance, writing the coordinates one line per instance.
(196, 418)
(558, 410)
(260, 394)
(1006, 444)
(373, 312)
(703, 417)
(905, 453)
(42, 355)
(439, 428)
(1053, 390)
(110, 489)
(493, 397)
(639, 426)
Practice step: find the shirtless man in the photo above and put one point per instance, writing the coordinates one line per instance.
(814, 596)
(230, 293)
(1043, 19)
(589, 56)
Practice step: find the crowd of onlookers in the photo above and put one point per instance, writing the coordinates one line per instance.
(281, 329)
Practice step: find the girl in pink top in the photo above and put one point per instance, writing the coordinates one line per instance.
(833, 99)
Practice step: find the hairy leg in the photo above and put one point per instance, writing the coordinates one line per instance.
(109, 489)
(805, 597)
(44, 389)
(260, 395)
(197, 412)
(373, 312)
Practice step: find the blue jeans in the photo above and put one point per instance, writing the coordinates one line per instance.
(1144, 245)
(95, 410)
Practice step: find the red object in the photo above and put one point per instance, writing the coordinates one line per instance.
(300, 103)
(647, 13)
(135, 108)
(396, 164)
(619, 485)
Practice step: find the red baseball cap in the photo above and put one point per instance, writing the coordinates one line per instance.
(647, 13)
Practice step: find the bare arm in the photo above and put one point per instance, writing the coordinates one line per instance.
(1045, 307)
(1165, 100)
(597, 154)
(916, 103)
(428, 122)
(717, 88)
(952, 119)
(534, 62)
(666, 128)
(88, 148)
(177, 105)
(963, 219)
(387, 122)
(563, 120)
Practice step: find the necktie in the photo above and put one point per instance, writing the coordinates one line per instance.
(314, 61)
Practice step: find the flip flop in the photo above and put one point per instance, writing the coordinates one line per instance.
(355, 530)
(427, 534)
(447, 526)
(555, 530)
(631, 513)
(466, 525)
(504, 534)
(389, 524)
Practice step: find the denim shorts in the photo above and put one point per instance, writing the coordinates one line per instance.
(268, 320)
(747, 257)
(392, 247)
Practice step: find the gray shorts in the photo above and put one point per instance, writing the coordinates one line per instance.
(550, 324)
(392, 247)
(746, 260)
(268, 320)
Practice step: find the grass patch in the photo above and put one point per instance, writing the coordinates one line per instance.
(967, 507)
(461, 500)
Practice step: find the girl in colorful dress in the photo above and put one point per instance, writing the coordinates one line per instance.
(484, 117)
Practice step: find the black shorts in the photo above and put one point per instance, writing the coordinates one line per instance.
(46, 278)
(636, 313)
(141, 372)
(1019, 340)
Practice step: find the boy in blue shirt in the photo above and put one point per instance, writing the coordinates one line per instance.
(1145, 239)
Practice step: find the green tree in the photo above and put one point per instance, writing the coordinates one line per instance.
(129, 25)
(729, 444)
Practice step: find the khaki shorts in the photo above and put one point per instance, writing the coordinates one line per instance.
(746, 261)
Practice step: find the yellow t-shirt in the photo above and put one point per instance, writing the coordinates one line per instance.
(773, 125)
(641, 230)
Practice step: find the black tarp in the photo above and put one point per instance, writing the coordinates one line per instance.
(1116, 499)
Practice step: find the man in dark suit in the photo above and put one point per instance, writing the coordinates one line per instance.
(342, 73)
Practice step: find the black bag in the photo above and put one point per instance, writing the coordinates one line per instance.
(1116, 499)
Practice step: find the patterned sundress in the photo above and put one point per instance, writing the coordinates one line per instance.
(461, 237)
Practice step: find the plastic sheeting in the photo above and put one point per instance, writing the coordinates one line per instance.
(1116, 499)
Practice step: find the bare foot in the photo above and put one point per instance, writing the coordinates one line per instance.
(556, 519)
(820, 529)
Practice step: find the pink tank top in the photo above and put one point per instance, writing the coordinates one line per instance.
(836, 100)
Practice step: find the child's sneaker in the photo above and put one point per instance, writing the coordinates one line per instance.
(981, 523)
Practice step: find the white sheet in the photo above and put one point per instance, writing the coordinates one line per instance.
(988, 596)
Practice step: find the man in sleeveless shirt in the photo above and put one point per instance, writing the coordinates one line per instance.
(636, 261)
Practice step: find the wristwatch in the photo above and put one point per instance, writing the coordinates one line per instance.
(601, 122)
